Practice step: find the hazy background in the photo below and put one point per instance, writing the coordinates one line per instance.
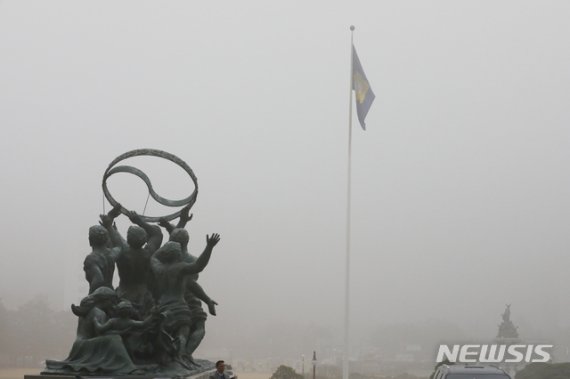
(460, 183)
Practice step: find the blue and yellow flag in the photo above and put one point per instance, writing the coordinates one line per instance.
(362, 91)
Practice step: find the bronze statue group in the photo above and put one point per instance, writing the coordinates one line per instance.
(153, 321)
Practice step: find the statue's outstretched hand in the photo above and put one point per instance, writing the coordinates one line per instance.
(116, 211)
(106, 221)
(184, 214)
(135, 217)
(162, 222)
(212, 307)
(212, 240)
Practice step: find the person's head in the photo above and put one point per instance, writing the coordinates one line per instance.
(170, 252)
(105, 298)
(136, 236)
(220, 366)
(102, 297)
(125, 309)
(98, 236)
(180, 235)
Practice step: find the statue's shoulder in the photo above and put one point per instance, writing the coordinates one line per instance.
(188, 258)
(97, 258)
(90, 259)
(123, 254)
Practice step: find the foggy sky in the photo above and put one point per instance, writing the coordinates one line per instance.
(460, 184)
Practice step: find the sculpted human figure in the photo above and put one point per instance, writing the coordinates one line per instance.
(506, 328)
(124, 324)
(507, 314)
(151, 324)
(133, 260)
(94, 351)
(170, 272)
(99, 265)
(193, 293)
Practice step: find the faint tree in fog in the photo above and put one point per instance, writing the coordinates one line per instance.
(34, 331)
(285, 372)
(393, 338)
(545, 370)
(4, 328)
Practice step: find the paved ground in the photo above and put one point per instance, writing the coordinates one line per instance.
(18, 373)
(253, 375)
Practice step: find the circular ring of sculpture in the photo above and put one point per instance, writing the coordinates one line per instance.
(113, 169)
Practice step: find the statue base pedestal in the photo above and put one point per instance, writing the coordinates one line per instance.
(175, 371)
(201, 375)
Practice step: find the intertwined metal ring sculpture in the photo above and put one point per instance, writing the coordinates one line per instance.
(113, 169)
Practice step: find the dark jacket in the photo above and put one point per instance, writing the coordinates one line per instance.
(215, 375)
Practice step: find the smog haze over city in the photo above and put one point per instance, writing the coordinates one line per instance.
(459, 184)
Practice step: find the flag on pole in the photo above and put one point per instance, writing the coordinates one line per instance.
(362, 91)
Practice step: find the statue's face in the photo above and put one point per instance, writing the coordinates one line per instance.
(181, 236)
(98, 236)
(124, 309)
(136, 237)
(104, 297)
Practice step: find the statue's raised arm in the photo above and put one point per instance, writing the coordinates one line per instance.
(108, 222)
(166, 225)
(185, 217)
(204, 258)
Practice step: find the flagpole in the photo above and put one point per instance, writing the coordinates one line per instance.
(345, 362)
